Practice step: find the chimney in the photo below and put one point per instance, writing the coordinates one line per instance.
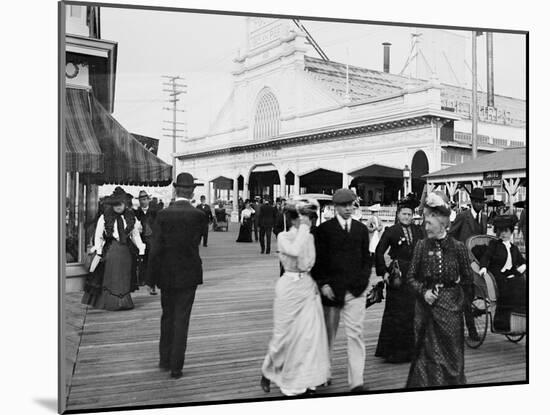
(386, 56)
(490, 72)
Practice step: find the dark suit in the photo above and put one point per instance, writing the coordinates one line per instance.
(343, 261)
(147, 220)
(266, 221)
(176, 268)
(255, 219)
(512, 294)
(465, 226)
(208, 212)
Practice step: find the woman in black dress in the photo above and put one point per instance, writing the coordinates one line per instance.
(116, 230)
(505, 262)
(441, 277)
(396, 340)
(245, 231)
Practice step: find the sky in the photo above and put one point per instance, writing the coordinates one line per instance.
(201, 48)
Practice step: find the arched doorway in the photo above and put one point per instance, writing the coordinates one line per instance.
(321, 181)
(377, 183)
(419, 167)
(289, 180)
(264, 180)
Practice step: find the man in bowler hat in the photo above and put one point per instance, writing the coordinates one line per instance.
(342, 271)
(208, 212)
(176, 268)
(469, 223)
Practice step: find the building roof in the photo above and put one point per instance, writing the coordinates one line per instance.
(368, 83)
(506, 160)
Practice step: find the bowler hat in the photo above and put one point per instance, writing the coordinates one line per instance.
(186, 180)
(343, 197)
(143, 194)
(478, 194)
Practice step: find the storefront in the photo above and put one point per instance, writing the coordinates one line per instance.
(98, 150)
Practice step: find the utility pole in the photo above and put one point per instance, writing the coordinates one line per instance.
(474, 94)
(174, 90)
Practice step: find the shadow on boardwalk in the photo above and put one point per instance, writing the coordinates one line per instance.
(117, 352)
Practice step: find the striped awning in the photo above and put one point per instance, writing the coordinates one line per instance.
(98, 146)
(82, 151)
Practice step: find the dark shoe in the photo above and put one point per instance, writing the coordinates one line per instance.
(262, 252)
(152, 291)
(176, 374)
(359, 389)
(205, 245)
(268, 252)
(265, 383)
(328, 383)
(164, 366)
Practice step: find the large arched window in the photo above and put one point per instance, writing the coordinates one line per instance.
(268, 116)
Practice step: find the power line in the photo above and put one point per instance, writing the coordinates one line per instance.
(174, 90)
(310, 39)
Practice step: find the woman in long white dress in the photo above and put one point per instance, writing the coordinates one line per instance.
(297, 359)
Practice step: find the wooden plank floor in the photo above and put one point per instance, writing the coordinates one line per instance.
(229, 332)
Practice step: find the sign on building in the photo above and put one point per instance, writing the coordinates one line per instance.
(492, 180)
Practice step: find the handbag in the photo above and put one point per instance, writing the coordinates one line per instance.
(396, 277)
(376, 295)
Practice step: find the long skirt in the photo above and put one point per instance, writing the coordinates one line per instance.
(117, 279)
(512, 296)
(439, 338)
(396, 339)
(245, 231)
(298, 356)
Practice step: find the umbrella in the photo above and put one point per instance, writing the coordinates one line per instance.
(520, 204)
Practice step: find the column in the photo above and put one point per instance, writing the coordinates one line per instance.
(207, 192)
(345, 180)
(235, 210)
(282, 178)
(296, 184)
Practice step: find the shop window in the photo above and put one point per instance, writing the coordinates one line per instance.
(267, 119)
(75, 214)
(75, 11)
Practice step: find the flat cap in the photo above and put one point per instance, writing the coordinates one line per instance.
(343, 196)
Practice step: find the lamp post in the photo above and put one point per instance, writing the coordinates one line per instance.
(406, 179)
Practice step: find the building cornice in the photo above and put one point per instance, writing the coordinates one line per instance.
(319, 136)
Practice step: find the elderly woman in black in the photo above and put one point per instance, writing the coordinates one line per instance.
(116, 229)
(396, 340)
(442, 279)
(505, 262)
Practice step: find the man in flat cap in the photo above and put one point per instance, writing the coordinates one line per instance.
(467, 224)
(342, 271)
(176, 268)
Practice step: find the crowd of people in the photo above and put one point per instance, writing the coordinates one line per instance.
(325, 275)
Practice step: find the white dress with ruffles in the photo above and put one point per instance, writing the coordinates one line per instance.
(298, 356)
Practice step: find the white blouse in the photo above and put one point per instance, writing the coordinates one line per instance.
(134, 236)
(296, 249)
(246, 213)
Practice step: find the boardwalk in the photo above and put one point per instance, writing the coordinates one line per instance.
(116, 353)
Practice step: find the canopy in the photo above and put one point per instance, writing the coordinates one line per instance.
(378, 170)
(507, 160)
(104, 149)
(82, 150)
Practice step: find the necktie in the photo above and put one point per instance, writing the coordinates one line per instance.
(408, 235)
(508, 264)
(346, 226)
(120, 229)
